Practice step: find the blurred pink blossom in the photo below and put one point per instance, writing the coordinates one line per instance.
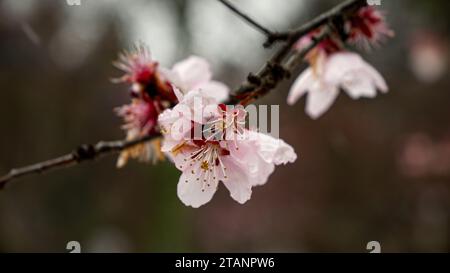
(428, 57)
(368, 27)
(333, 68)
(328, 74)
(421, 156)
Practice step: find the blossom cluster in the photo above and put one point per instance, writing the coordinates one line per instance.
(216, 145)
(333, 68)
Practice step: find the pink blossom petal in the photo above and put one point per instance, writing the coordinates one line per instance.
(320, 100)
(350, 70)
(301, 86)
(237, 181)
(193, 105)
(260, 153)
(192, 72)
(274, 150)
(168, 144)
(256, 167)
(178, 93)
(176, 82)
(176, 123)
(259, 170)
(217, 90)
(193, 192)
(340, 65)
(377, 79)
(357, 85)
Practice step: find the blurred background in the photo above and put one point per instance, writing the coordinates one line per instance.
(368, 170)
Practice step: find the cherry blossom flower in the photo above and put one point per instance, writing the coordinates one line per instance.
(332, 68)
(368, 27)
(195, 73)
(144, 75)
(140, 119)
(240, 161)
(152, 91)
(327, 46)
(329, 74)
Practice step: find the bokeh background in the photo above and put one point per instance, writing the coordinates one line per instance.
(368, 170)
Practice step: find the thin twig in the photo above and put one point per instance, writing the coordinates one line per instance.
(349, 6)
(271, 36)
(280, 71)
(276, 69)
(82, 153)
(342, 9)
(247, 18)
(264, 79)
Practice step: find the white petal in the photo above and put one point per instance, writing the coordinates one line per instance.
(320, 100)
(357, 85)
(339, 65)
(182, 158)
(237, 181)
(260, 153)
(174, 79)
(174, 127)
(301, 86)
(193, 105)
(192, 72)
(274, 150)
(378, 80)
(217, 90)
(178, 93)
(345, 67)
(168, 144)
(259, 171)
(193, 192)
(256, 167)
(167, 118)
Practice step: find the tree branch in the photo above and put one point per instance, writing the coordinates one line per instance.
(270, 34)
(81, 154)
(273, 71)
(340, 10)
(276, 69)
